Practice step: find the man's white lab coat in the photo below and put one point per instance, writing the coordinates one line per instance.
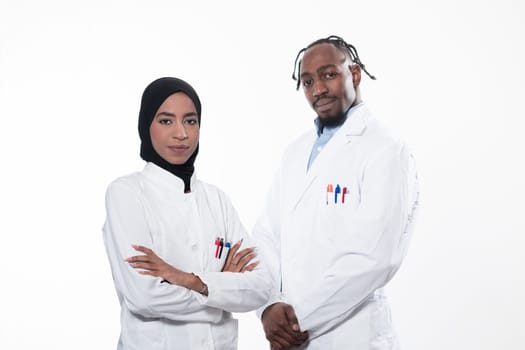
(331, 259)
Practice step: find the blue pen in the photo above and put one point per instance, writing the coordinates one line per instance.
(227, 247)
(337, 190)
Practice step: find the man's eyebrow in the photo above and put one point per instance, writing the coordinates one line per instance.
(320, 69)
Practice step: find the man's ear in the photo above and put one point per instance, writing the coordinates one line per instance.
(355, 69)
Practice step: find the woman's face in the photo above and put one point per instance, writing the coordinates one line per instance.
(175, 129)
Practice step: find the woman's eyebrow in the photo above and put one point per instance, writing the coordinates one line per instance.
(167, 114)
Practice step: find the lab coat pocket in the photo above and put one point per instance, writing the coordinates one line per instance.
(333, 220)
(217, 253)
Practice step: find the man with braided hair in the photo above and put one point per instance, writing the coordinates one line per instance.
(339, 215)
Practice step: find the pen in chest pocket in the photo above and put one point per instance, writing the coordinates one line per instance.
(339, 193)
(222, 247)
(329, 190)
(217, 246)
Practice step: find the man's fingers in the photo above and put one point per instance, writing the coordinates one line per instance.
(281, 339)
(292, 318)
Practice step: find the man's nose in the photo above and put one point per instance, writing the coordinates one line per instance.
(319, 88)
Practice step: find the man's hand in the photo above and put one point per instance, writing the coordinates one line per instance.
(281, 327)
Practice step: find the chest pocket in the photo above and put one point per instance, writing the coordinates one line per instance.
(214, 236)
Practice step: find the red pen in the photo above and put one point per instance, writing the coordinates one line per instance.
(345, 191)
(217, 243)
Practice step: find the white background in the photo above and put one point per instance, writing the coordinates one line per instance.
(450, 79)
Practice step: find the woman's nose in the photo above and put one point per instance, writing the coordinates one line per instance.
(179, 132)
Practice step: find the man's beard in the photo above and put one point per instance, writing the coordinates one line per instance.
(333, 121)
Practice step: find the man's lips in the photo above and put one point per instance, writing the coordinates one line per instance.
(324, 104)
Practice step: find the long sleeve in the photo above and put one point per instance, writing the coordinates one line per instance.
(266, 233)
(371, 248)
(237, 292)
(126, 224)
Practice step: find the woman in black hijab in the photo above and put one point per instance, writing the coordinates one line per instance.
(152, 98)
(180, 292)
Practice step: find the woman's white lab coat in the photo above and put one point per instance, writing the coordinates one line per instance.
(331, 259)
(149, 208)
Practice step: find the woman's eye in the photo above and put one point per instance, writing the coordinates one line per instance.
(165, 121)
(191, 121)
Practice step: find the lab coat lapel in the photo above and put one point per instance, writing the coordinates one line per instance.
(352, 128)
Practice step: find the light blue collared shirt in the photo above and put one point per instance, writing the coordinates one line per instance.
(324, 134)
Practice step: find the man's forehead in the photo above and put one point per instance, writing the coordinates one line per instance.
(322, 55)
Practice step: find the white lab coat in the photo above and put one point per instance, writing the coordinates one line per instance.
(332, 260)
(149, 208)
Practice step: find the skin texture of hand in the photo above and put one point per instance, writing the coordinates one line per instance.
(150, 264)
(281, 327)
(239, 261)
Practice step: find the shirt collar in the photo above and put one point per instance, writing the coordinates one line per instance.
(319, 126)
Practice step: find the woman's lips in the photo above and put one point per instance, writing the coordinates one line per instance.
(178, 148)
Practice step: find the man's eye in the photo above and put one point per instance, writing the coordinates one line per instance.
(307, 82)
(330, 75)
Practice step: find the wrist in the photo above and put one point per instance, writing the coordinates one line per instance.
(198, 285)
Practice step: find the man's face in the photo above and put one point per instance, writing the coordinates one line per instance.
(175, 129)
(329, 81)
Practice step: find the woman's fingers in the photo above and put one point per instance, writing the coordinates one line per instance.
(138, 258)
(250, 267)
(244, 256)
(142, 249)
(237, 258)
(144, 266)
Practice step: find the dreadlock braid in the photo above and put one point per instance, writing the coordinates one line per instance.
(340, 44)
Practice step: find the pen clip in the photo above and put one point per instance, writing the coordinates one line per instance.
(337, 191)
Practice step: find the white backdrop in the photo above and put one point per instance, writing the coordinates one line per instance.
(450, 79)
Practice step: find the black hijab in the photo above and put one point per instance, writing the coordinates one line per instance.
(152, 97)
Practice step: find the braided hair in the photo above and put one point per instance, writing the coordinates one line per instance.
(340, 44)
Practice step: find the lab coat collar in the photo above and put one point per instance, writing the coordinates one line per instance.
(353, 127)
(356, 123)
(166, 179)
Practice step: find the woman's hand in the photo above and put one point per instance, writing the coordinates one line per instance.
(239, 261)
(151, 265)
